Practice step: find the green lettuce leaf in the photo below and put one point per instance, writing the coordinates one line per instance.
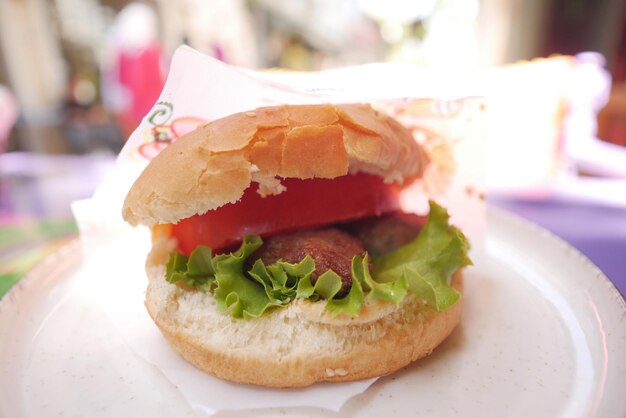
(280, 280)
(392, 292)
(428, 262)
(351, 303)
(196, 270)
(235, 293)
(327, 286)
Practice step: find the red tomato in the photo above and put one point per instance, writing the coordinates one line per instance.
(305, 204)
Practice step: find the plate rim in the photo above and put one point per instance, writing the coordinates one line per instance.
(519, 221)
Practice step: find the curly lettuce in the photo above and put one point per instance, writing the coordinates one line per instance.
(423, 267)
(427, 263)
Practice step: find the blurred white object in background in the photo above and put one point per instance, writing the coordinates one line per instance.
(8, 115)
(526, 105)
(398, 10)
(439, 34)
(33, 63)
(136, 26)
(543, 122)
(134, 29)
(220, 28)
(588, 90)
(134, 69)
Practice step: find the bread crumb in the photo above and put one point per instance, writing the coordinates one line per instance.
(336, 372)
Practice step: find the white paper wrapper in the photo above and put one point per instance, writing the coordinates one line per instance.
(200, 89)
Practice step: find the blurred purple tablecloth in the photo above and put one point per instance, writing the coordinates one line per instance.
(596, 229)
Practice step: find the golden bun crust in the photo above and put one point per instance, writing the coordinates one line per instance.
(295, 346)
(213, 165)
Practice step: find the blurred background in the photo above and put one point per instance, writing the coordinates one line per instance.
(82, 73)
(77, 76)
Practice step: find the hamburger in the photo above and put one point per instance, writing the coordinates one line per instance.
(281, 256)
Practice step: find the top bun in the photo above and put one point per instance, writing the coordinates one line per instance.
(213, 165)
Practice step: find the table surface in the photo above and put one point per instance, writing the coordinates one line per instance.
(36, 192)
(35, 215)
(597, 230)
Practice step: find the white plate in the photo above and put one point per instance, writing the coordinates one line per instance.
(543, 335)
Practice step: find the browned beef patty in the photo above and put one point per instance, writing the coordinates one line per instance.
(330, 248)
(333, 248)
(383, 234)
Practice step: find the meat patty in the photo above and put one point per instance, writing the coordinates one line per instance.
(330, 248)
(334, 248)
(383, 234)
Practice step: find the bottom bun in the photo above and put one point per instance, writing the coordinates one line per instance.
(291, 347)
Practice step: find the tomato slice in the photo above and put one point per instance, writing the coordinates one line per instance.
(305, 204)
